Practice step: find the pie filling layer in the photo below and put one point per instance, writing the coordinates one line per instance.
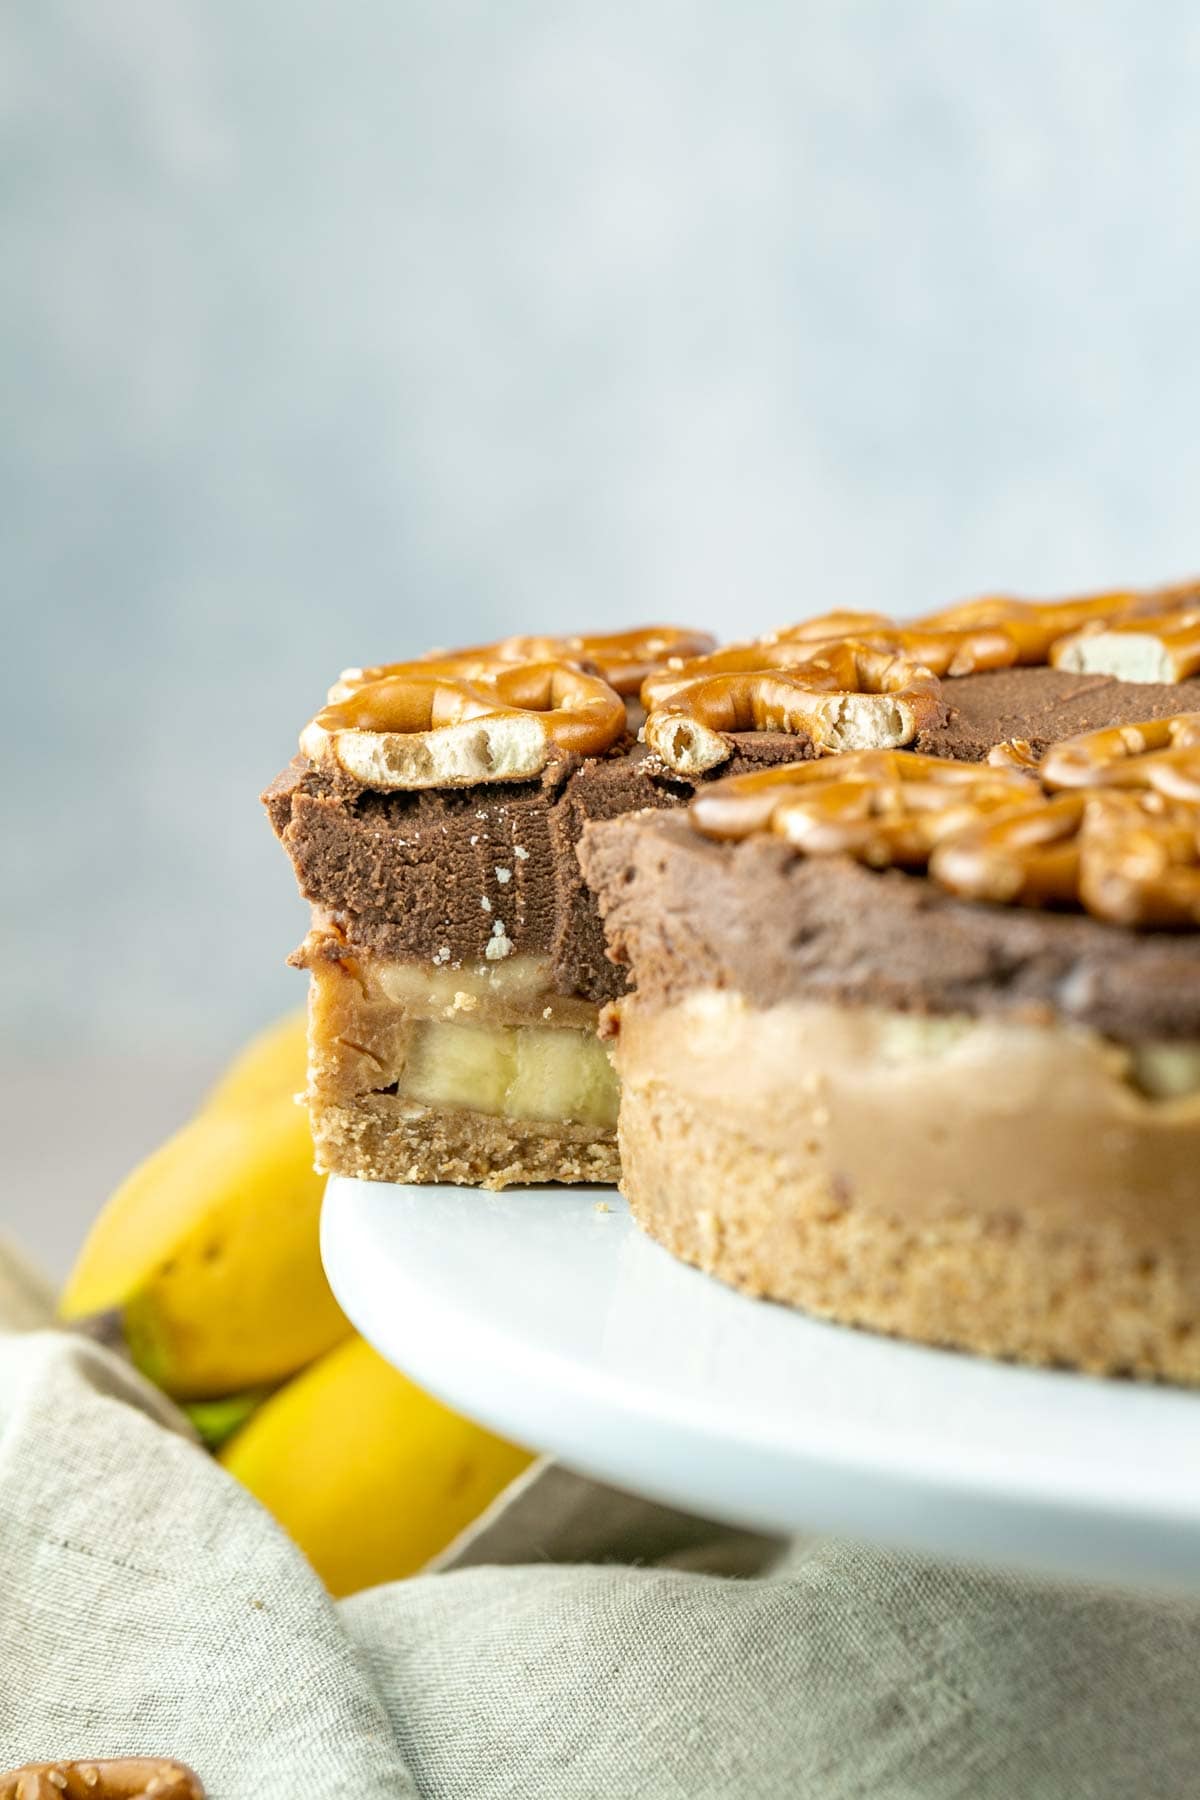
(930, 1117)
(494, 1039)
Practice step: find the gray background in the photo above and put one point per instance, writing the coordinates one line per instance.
(330, 331)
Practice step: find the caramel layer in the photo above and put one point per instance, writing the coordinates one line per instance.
(929, 1119)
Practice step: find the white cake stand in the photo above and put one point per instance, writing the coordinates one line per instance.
(545, 1313)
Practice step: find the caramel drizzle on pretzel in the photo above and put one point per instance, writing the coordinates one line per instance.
(847, 697)
(1109, 821)
(120, 1778)
(463, 720)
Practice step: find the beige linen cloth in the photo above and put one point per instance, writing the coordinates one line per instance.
(580, 1643)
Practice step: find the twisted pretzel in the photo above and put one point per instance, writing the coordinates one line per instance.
(1163, 754)
(1130, 858)
(849, 698)
(422, 728)
(125, 1778)
(1162, 647)
(883, 807)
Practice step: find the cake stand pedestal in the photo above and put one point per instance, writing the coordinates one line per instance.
(547, 1315)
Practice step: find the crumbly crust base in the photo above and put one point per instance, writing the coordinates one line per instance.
(380, 1137)
(1003, 1287)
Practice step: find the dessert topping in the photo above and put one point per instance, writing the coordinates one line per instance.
(1109, 821)
(426, 725)
(846, 697)
(1163, 647)
(882, 807)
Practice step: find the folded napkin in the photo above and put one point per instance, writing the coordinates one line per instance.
(577, 1643)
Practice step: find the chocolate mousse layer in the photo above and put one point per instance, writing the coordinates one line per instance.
(458, 876)
(754, 919)
(1044, 705)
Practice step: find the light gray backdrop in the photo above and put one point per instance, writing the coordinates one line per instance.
(331, 330)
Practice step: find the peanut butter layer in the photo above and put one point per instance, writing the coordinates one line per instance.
(862, 1164)
(417, 1072)
(752, 918)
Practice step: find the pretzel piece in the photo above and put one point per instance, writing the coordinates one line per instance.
(849, 697)
(622, 658)
(122, 1778)
(1033, 626)
(1015, 753)
(420, 729)
(1130, 858)
(883, 807)
(940, 652)
(986, 832)
(1161, 647)
(1163, 754)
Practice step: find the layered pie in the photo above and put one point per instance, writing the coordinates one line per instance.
(898, 974)
(913, 1037)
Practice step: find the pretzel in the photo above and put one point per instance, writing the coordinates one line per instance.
(883, 807)
(1033, 626)
(623, 658)
(849, 698)
(1015, 753)
(1163, 754)
(940, 652)
(1162, 647)
(1130, 858)
(1145, 868)
(423, 729)
(125, 1778)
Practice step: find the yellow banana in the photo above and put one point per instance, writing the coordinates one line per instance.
(367, 1473)
(210, 1252)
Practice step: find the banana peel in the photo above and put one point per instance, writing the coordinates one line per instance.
(215, 1421)
(367, 1473)
(209, 1251)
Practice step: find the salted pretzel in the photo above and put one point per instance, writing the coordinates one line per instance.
(1162, 647)
(849, 697)
(1132, 858)
(884, 807)
(1163, 754)
(121, 1778)
(426, 728)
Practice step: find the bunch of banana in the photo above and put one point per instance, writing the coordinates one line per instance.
(206, 1264)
